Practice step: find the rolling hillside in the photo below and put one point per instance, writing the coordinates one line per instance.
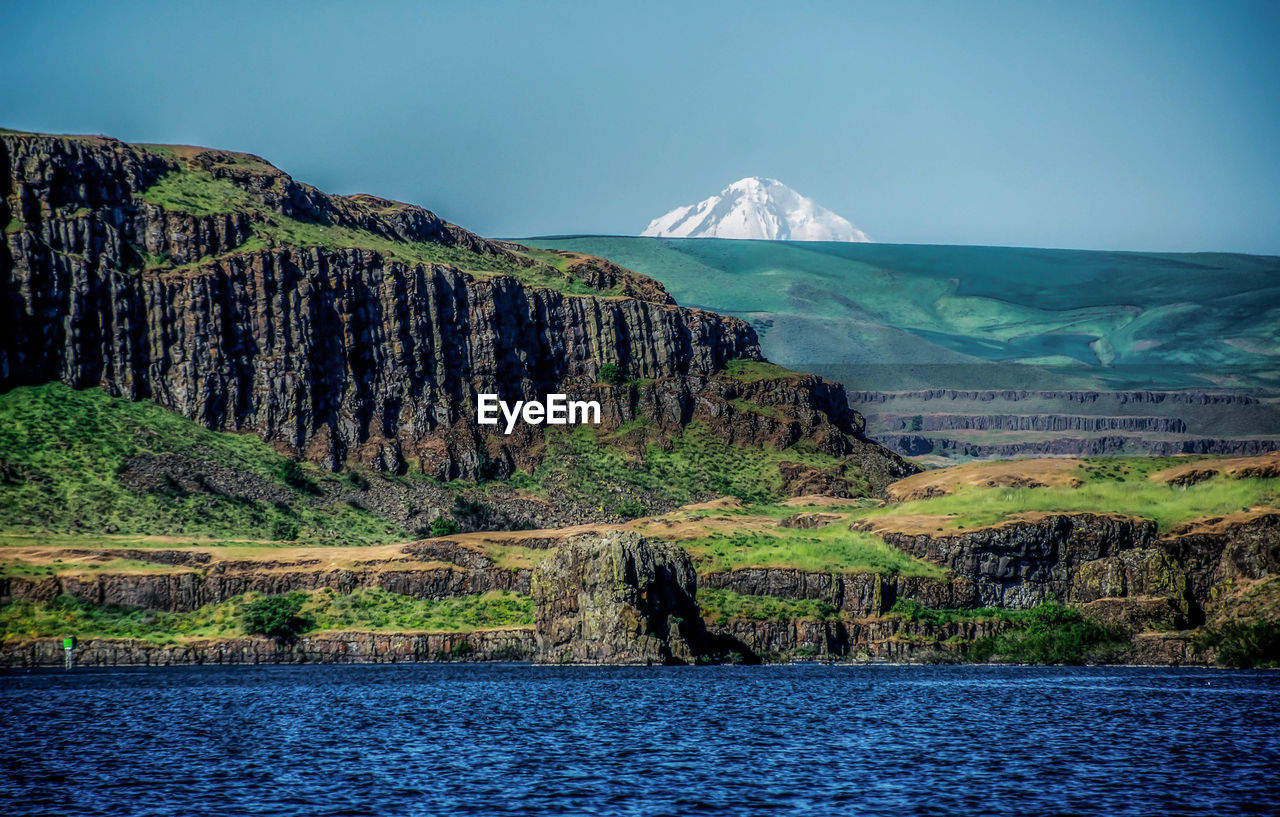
(935, 316)
(978, 352)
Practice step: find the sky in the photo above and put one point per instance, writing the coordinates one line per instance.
(1084, 124)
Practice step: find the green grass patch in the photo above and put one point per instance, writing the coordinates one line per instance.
(368, 609)
(1110, 485)
(721, 605)
(198, 192)
(750, 371)
(831, 549)
(915, 611)
(64, 455)
(756, 408)
(36, 570)
(377, 609)
(581, 463)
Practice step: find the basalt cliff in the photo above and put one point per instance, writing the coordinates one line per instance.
(356, 330)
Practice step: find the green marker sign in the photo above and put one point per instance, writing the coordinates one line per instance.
(69, 642)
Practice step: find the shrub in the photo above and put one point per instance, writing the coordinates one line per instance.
(291, 474)
(631, 509)
(612, 374)
(284, 530)
(443, 526)
(1053, 633)
(1244, 646)
(276, 616)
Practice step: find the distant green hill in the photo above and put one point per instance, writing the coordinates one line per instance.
(885, 316)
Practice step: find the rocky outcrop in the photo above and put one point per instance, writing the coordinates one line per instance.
(808, 521)
(187, 590)
(889, 638)
(515, 644)
(340, 355)
(1192, 397)
(854, 594)
(1144, 572)
(1028, 422)
(616, 598)
(1136, 615)
(918, 445)
(1021, 562)
(1220, 554)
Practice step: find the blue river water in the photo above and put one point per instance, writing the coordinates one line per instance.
(516, 739)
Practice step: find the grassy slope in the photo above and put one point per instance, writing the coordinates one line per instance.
(62, 453)
(197, 192)
(587, 463)
(1109, 484)
(830, 549)
(1178, 319)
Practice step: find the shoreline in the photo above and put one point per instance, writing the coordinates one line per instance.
(507, 646)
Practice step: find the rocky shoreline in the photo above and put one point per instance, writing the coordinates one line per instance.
(616, 597)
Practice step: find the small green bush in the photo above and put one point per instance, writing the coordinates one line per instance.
(443, 526)
(631, 509)
(1244, 646)
(612, 374)
(276, 616)
(291, 474)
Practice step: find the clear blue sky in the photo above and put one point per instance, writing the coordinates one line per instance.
(1129, 125)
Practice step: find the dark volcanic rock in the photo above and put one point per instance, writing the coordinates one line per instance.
(808, 521)
(346, 355)
(855, 594)
(1020, 563)
(616, 598)
(184, 591)
(324, 648)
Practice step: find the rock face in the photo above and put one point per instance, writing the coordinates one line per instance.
(616, 598)
(182, 591)
(324, 648)
(337, 355)
(1019, 563)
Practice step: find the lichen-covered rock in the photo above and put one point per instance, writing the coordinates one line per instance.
(808, 521)
(1220, 555)
(1136, 614)
(616, 598)
(1021, 562)
(1141, 572)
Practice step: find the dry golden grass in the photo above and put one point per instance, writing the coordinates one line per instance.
(1263, 466)
(1035, 473)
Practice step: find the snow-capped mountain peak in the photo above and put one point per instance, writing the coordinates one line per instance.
(755, 207)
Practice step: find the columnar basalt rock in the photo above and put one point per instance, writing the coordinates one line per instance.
(854, 594)
(346, 354)
(514, 644)
(1021, 562)
(187, 590)
(616, 598)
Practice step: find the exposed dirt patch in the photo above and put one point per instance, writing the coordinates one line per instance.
(723, 503)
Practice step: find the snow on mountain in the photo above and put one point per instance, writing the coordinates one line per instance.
(755, 207)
